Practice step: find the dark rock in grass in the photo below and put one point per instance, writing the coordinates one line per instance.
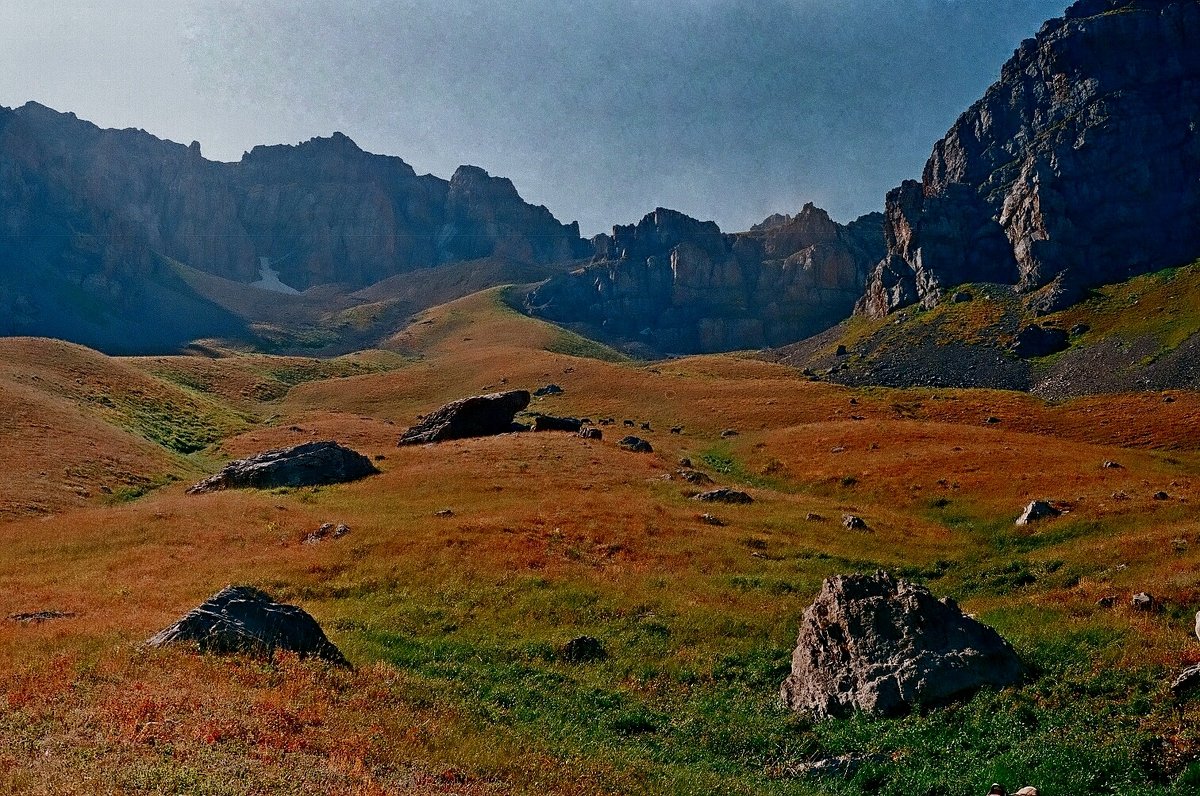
(852, 522)
(1142, 601)
(242, 619)
(676, 429)
(992, 420)
(444, 513)
(636, 444)
(1111, 465)
(629, 423)
(729, 432)
(1107, 601)
(548, 423)
(961, 297)
(1080, 328)
(477, 416)
(583, 649)
(709, 519)
(694, 477)
(1037, 510)
(1161, 496)
(724, 495)
(37, 617)
(883, 646)
(1039, 341)
(549, 389)
(591, 433)
(310, 464)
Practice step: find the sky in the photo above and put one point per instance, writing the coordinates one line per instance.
(602, 110)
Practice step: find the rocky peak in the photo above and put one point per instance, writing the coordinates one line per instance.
(1075, 169)
(661, 231)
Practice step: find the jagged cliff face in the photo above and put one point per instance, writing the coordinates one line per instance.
(672, 284)
(1081, 166)
(106, 203)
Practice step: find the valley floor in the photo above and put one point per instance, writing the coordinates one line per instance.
(455, 622)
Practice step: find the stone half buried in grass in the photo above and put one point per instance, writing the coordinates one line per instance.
(636, 444)
(242, 619)
(724, 495)
(477, 416)
(882, 646)
(1037, 510)
(310, 464)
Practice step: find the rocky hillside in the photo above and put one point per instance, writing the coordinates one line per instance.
(91, 221)
(672, 284)
(1078, 168)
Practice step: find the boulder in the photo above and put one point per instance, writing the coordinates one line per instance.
(591, 433)
(310, 464)
(549, 389)
(1039, 341)
(1143, 601)
(724, 495)
(477, 416)
(242, 619)
(883, 646)
(853, 522)
(636, 444)
(583, 649)
(549, 423)
(1037, 510)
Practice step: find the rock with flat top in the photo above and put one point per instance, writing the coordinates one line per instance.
(883, 646)
(477, 416)
(310, 464)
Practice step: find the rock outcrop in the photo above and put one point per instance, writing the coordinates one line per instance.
(672, 284)
(242, 619)
(477, 416)
(1076, 169)
(882, 646)
(310, 464)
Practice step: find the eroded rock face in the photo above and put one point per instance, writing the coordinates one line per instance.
(310, 464)
(883, 646)
(242, 619)
(672, 284)
(1077, 168)
(477, 416)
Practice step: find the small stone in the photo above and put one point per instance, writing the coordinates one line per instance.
(591, 433)
(676, 429)
(583, 649)
(1142, 601)
(709, 519)
(685, 463)
(444, 513)
(993, 420)
(724, 495)
(1107, 602)
(1161, 496)
(729, 432)
(853, 522)
(549, 389)
(636, 444)
(813, 517)
(841, 351)
(1037, 510)
(1111, 465)
(37, 617)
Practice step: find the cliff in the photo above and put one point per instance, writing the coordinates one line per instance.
(1077, 168)
(672, 284)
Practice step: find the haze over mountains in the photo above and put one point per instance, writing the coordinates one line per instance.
(1078, 168)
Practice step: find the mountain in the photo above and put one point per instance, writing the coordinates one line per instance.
(1076, 169)
(673, 285)
(95, 225)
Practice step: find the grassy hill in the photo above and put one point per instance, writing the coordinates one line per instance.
(455, 623)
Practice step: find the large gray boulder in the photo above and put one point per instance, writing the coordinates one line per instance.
(242, 619)
(883, 646)
(310, 464)
(477, 416)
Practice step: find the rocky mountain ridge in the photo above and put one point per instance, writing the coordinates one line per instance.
(672, 284)
(1079, 167)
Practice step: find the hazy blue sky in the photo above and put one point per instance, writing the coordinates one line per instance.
(600, 109)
